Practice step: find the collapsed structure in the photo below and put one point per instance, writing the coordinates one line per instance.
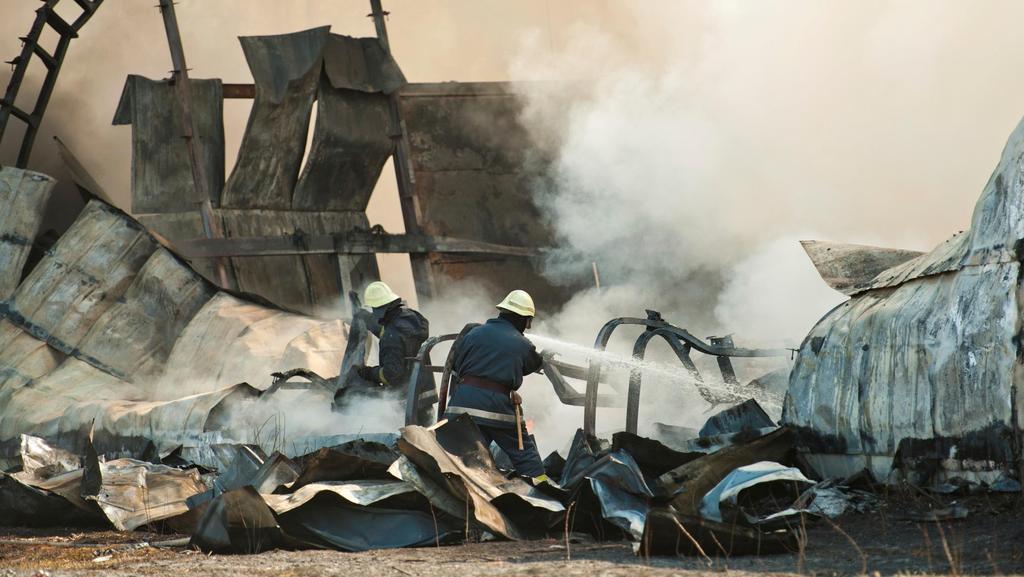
(918, 373)
(111, 332)
(122, 362)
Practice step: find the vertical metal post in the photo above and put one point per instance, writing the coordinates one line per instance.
(725, 363)
(211, 228)
(411, 213)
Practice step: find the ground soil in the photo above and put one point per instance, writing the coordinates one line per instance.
(990, 541)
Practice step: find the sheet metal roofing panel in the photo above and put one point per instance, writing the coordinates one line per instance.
(23, 195)
(81, 277)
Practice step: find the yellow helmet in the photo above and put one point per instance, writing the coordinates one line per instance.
(378, 294)
(519, 302)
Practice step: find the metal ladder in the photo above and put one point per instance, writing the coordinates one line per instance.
(46, 15)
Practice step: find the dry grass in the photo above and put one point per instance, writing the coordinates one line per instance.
(34, 555)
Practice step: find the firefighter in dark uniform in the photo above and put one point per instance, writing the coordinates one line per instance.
(491, 361)
(401, 331)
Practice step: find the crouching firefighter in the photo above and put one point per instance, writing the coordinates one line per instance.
(400, 331)
(491, 361)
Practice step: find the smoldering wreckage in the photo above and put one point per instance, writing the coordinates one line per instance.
(130, 344)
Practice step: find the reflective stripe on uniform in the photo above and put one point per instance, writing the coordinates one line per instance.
(430, 394)
(481, 414)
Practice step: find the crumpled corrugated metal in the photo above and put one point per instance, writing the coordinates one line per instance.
(919, 370)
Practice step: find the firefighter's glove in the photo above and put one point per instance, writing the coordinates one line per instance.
(362, 314)
(369, 374)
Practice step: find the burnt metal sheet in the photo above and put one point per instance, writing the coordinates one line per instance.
(355, 460)
(746, 416)
(112, 332)
(22, 505)
(134, 493)
(922, 364)
(476, 169)
(161, 172)
(350, 146)
(286, 69)
(276, 471)
(23, 194)
(653, 458)
(584, 450)
(238, 522)
(362, 493)
(328, 520)
(135, 337)
(361, 64)
(687, 484)
(726, 494)
(454, 457)
(933, 358)
(231, 340)
(844, 266)
(620, 489)
(40, 459)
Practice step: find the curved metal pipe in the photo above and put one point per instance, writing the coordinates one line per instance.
(412, 400)
(639, 352)
(682, 342)
(594, 375)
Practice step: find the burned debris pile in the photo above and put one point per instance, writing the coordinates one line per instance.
(429, 486)
(110, 332)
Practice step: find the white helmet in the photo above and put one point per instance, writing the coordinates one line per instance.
(378, 294)
(519, 302)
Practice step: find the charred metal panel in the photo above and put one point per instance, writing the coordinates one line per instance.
(476, 169)
(23, 194)
(161, 173)
(927, 352)
(286, 69)
(361, 64)
(350, 146)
